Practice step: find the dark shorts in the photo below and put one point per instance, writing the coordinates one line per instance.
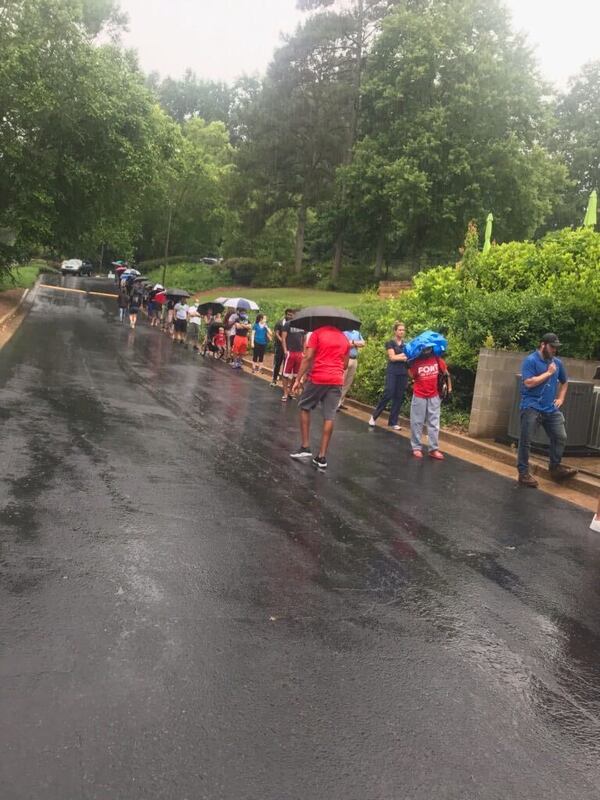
(325, 395)
(134, 310)
(181, 325)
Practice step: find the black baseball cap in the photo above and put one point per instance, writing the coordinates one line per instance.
(551, 339)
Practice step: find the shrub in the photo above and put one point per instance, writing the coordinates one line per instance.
(192, 277)
(243, 270)
(505, 299)
(153, 263)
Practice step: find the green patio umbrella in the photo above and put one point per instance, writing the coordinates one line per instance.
(488, 233)
(591, 215)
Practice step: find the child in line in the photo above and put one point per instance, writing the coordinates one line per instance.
(220, 343)
(426, 406)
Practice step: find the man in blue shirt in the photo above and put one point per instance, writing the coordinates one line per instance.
(544, 385)
(357, 342)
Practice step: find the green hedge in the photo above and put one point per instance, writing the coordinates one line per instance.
(507, 299)
(192, 277)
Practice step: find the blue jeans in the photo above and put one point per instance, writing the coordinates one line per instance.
(395, 389)
(553, 424)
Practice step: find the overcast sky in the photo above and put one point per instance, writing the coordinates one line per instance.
(222, 39)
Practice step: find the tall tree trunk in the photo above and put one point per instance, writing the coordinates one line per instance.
(300, 230)
(380, 254)
(338, 256)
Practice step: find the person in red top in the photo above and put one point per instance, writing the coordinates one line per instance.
(426, 403)
(325, 361)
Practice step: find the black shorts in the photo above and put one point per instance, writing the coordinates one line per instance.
(181, 325)
(324, 394)
(259, 353)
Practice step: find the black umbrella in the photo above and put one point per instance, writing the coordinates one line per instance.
(309, 319)
(213, 307)
(177, 293)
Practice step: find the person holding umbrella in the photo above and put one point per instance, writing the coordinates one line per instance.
(180, 312)
(325, 362)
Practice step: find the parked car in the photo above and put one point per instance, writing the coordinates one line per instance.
(75, 266)
(211, 261)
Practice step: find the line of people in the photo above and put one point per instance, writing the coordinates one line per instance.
(319, 368)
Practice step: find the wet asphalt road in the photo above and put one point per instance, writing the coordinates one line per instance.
(186, 613)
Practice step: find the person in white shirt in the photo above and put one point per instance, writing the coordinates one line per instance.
(194, 327)
(181, 315)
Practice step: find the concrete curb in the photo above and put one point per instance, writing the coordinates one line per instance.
(10, 314)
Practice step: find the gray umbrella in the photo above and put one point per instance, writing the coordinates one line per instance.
(177, 293)
(309, 319)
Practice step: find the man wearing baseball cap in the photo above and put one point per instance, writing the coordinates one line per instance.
(544, 385)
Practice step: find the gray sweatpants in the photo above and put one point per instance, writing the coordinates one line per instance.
(425, 410)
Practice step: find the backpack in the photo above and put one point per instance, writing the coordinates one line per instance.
(443, 384)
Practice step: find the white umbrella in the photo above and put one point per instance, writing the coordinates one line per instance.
(240, 302)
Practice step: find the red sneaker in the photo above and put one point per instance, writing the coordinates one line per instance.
(418, 453)
(437, 454)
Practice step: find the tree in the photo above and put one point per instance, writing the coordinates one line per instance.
(296, 130)
(379, 195)
(78, 131)
(190, 97)
(362, 19)
(577, 140)
(454, 91)
(186, 207)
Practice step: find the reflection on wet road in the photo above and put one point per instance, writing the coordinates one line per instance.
(187, 613)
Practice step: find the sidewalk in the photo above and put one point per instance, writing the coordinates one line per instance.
(12, 312)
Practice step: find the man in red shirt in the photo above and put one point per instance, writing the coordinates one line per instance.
(426, 403)
(325, 361)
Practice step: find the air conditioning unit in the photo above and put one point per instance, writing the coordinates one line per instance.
(594, 438)
(581, 410)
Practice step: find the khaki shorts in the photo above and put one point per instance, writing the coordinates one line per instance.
(325, 395)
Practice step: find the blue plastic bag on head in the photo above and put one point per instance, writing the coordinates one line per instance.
(436, 341)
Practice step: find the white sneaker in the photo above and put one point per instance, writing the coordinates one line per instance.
(396, 428)
(372, 423)
(595, 526)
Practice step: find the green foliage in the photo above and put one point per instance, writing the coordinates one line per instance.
(24, 277)
(506, 299)
(79, 134)
(192, 277)
(577, 142)
(243, 270)
(153, 263)
(453, 95)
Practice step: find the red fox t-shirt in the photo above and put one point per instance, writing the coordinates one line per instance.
(425, 372)
(331, 347)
